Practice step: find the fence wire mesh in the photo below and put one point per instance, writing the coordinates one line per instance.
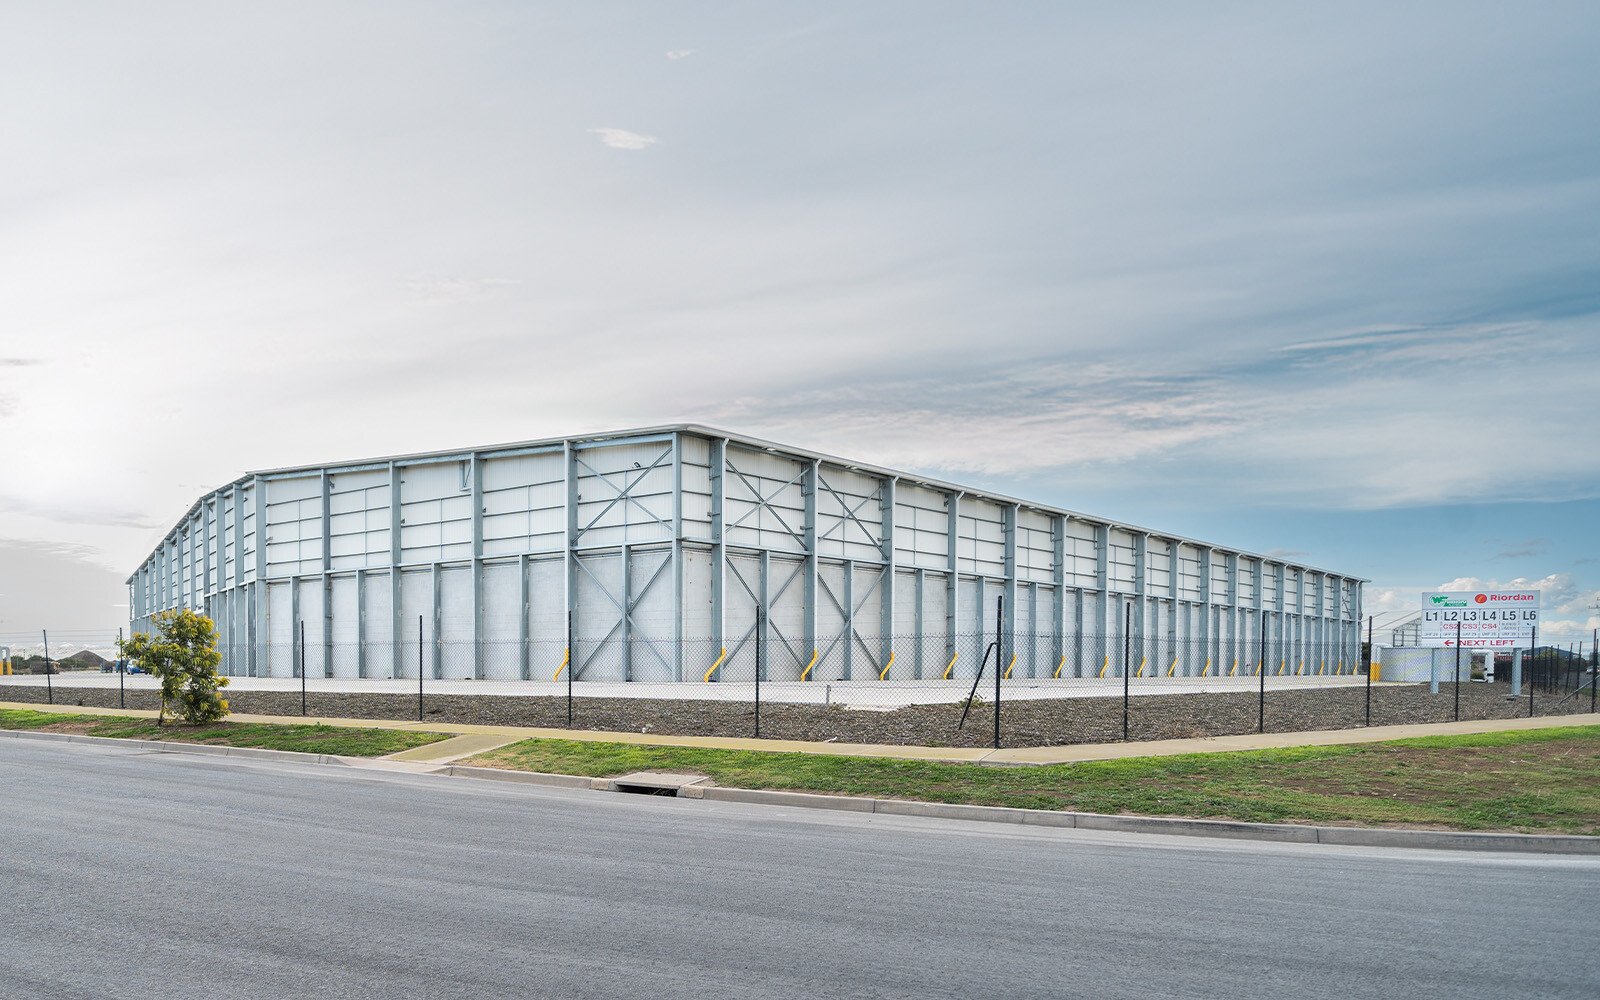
(927, 689)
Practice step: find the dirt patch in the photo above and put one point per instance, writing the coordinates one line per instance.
(1052, 722)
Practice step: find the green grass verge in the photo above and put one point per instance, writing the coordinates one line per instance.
(339, 740)
(1533, 781)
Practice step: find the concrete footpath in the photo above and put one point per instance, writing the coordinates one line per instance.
(490, 737)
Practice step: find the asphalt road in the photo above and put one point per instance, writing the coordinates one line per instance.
(135, 874)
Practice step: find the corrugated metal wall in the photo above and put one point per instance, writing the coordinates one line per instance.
(663, 544)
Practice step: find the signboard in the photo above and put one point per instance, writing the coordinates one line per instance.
(1483, 619)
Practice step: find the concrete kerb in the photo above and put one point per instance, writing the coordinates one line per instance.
(205, 749)
(1170, 826)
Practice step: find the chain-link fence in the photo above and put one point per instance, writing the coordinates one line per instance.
(967, 689)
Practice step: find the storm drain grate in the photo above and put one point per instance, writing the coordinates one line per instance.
(654, 783)
(634, 789)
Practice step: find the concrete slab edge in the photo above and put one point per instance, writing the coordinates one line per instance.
(1347, 836)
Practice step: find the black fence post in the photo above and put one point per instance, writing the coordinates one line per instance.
(999, 650)
(1533, 646)
(571, 665)
(1594, 670)
(1368, 659)
(419, 668)
(760, 613)
(1127, 652)
(122, 674)
(49, 685)
(1458, 671)
(302, 667)
(1261, 679)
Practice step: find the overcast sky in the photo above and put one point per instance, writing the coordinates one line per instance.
(1317, 281)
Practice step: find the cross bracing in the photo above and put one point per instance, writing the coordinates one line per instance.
(658, 554)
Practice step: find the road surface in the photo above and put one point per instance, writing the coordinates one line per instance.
(134, 874)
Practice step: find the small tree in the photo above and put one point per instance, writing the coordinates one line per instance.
(183, 655)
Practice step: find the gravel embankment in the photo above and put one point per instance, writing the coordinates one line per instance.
(1024, 723)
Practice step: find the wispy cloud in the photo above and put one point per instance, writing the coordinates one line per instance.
(1531, 547)
(620, 138)
(20, 362)
(677, 54)
(442, 289)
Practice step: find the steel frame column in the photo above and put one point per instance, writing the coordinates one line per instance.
(1058, 574)
(1175, 591)
(438, 643)
(1033, 629)
(952, 607)
(327, 580)
(261, 662)
(1258, 574)
(1008, 642)
(1141, 589)
(627, 613)
(1102, 579)
(396, 647)
(808, 490)
(1207, 639)
(570, 585)
(476, 482)
(849, 618)
(297, 658)
(524, 602)
(886, 623)
(361, 623)
(718, 472)
(1081, 666)
(239, 599)
(764, 616)
(919, 581)
(1283, 618)
(677, 556)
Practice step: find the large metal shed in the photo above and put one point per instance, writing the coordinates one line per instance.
(657, 547)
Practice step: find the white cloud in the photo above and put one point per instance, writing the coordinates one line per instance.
(621, 138)
(458, 289)
(676, 54)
